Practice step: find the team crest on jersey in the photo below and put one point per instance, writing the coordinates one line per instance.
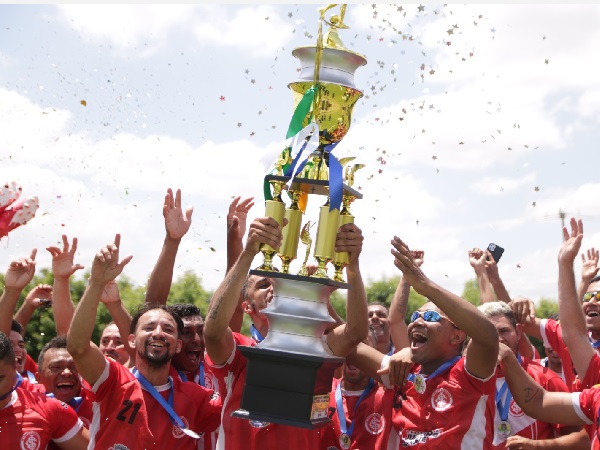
(31, 440)
(514, 409)
(208, 382)
(258, 424)
(178, 432)
(374, 423)
(118, 447)
(441, 399)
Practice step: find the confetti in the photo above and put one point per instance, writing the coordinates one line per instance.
(83, 102)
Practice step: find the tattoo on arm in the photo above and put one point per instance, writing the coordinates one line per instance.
(530, 394)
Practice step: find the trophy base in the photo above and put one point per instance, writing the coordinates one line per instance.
(287, 388)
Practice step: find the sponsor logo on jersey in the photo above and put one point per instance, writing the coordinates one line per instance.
(118, 447)
(258, 424)
(441, 399)
(178, 432)
(31, 440)
(415, 437)
(514, 409)
(374, 423)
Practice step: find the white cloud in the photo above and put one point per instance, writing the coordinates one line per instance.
(490, 185)
(144, 29)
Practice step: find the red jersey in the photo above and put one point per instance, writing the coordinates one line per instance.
(207, 441)
(127, 416)
(371, 428)
(235, 433)
(455, 411)
(521, 424)
(31, 420)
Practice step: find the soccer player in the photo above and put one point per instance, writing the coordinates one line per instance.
(29, 419)
(144, 408)
(59, 376)
(448, 401)
(512, 427)
(228, 364)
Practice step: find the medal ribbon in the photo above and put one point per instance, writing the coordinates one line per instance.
(74, 403)
(16, 386)
(503, 408)
(440, 370)
(596, 344)
(168, 407)
(183, 377)
(340, 406)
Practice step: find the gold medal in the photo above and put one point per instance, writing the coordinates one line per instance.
(345, 441)
(419, 383)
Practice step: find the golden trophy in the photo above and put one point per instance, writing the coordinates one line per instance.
(289, 373)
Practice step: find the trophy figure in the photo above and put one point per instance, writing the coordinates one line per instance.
(289, 373)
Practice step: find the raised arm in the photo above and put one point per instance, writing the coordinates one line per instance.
(87, 356)
(482, 353)
(121, 317)
(397, 320)
(177, 224)
(20, 272)
(589, 269)
(477, 260)
(63, 268)
(569, 306)
(39, 297)
(491, 268)
(236, 228)
(534, 400)
(217, 334)
(346, 337)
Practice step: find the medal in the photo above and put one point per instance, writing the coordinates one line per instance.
(419, 383)
(345, 441)
(504, 429)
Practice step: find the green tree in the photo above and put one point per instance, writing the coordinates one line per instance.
(382, 291)
(471, 292)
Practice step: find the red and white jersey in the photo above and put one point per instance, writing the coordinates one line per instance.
(520, 423)
(235, 433)
(31, 420)
(207, 441)
(127, 416)
(371, 428)
(552, 336)
(456, 411)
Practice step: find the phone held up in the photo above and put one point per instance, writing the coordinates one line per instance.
(496, 251)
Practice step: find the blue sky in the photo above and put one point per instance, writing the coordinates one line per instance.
(478, 124)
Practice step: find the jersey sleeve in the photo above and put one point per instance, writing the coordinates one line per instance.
(113, 376)
(584, 404)
(63, 420)
(221, 371)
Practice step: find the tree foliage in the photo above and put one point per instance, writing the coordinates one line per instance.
(188, 288)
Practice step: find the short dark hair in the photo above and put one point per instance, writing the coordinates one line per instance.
(184, 310)
(145, 307)
(7, 353)
(16, 326)
(378, 304)
(55, 342)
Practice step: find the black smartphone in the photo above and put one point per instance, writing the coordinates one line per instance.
(496, 251)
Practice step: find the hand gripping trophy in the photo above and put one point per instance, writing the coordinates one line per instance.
(289, 373)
